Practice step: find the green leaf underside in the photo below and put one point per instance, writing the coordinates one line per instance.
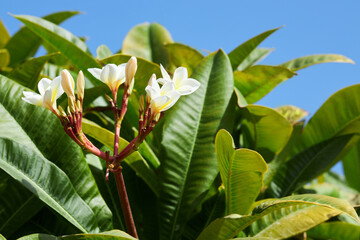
(239, 54)
(292, 113)
(307, 61)
(264, 130)
(64, 41)
(189, 162)
(254, 57)
(4, 58)
(135, 160)
(4, 35)
(29, 41)
(48, 183)
(351, 166)
(242, 173)
(103, 52)
(298, 210)
(110, 235)
(335, 231)
(66, 155)
(257, 81)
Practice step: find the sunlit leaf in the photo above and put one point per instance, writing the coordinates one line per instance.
(292, 113)
(351, 166)
(335, 231)
(4, 35)
(4, 58)
(254, 57)
(103, 52)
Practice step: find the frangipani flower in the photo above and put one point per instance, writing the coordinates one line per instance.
(183, 84)
(161, 99)
(67, 83)
(111, 74)
(49, 91)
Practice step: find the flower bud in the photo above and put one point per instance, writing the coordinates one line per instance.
(71, 105)
(67, 83)
(80, 86)
(141, 104)
(62, 112)
(130, 70)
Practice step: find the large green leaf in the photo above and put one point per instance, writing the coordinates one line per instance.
(239, 54)
(46, 133)
(111, 235)
(307, 61)
(257, 81)
(48, 182)
(296, 213)
(264, 130)
(181, 55)
(335, 231)
(135, 160)
(4, 58)
(4, 35)
(69, 45)
(29, 41)
(148, 41)
(189, 162)
(28, 73)
(254, 57)
(242, 174)
(144, 71)
(351, 166)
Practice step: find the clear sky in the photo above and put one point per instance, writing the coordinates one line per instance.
(310, 27)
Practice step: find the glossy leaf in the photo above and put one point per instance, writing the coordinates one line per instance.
(144, 71)
(264, 130)
(103, 52)
(4, 35)
(239, 54)
(28, 74)
(4, 58)
(292, 113)
(241, 172)
(189, 162)
(66, 155)
(254, 57)
(111, 235)
(135, 160)
(335, 231)
(351, 166)
(148, 41)
(47, 182)
(257, 81)
(29, 41)
(64, 41)
(181, 55)
(307, 61)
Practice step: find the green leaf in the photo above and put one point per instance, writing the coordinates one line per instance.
(307, 61)
(239, 54)
(47, 182)
(335, 231)
(4, 35)
(2, 237)
(292, 113)
(69, 45)
(241, 172)
(257, 81)
(280, 218)
(29, 41)
(264, 130)
(135, 160)
(46, 132)
(28, 74)
(4, 58)
(181, 55)
(110, 235)
(351, 166)
(103, 52)
(148, 41)
(189, 164)
(144, 71)
(254, 57)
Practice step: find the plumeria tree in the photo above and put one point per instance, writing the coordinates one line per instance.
(158, 141)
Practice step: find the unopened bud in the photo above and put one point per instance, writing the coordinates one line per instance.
(71, 105)
(130, 70)
(62, 112)
(156, 117)
(68, 110)
(141, 104)
(80, 86)
(108, 98)
(78, 105)
(150, 83)
(67, 83)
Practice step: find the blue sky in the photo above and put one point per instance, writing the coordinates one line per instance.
(310, 27)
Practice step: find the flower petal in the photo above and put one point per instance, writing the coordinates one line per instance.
(164, 73)
(180, 74)
(56, 87)
(43, 84)
(153, 83)
(162, 81)
(152, 92)
(96, 72)
(158, 103)
(32, 98)
(188, 86)
(167, 87)
(47, 99)
(174, 97)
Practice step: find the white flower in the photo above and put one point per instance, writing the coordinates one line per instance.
(49, 91)
(161, 99)
(183, 84)
(111, 74)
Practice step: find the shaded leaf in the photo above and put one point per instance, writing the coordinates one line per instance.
(4, 57)
(254, 57)
(111, 235)
(4, 35)
(351, 166)
(103, 52)
(292, 113)
(257, 81)
(335, 231)
(307, 61)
